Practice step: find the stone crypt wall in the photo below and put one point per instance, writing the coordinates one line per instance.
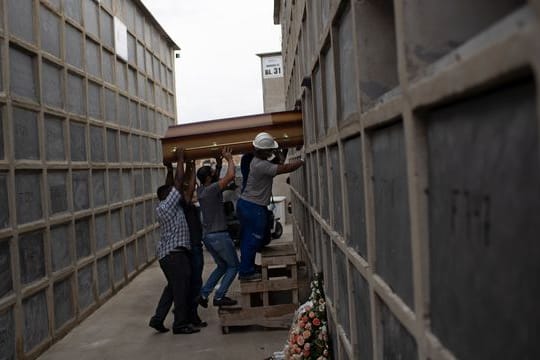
(420, 196)
(86, 91)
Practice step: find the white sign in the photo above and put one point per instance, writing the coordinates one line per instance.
(120, 39)
(272, 67)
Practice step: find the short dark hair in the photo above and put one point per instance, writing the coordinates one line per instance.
(203, 173)
(163, 191)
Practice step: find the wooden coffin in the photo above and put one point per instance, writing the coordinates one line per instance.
(204, 139)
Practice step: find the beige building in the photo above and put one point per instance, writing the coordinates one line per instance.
(273, 101)
(86, 92)
(272, 82)
(420, 196)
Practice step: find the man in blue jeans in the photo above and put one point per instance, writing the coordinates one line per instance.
(216, 237)
(251, 208)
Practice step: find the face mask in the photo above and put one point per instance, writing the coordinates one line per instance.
(271, 157)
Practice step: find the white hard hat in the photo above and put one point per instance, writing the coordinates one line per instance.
(265, 141)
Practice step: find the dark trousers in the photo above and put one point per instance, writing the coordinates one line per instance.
(197, 265)
(177, 269)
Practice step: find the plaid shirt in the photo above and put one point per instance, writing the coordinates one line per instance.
(173, 226)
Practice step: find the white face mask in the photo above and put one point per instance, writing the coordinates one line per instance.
(271, 157)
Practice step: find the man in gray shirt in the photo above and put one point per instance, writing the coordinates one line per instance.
(251, 208)
(216, 237)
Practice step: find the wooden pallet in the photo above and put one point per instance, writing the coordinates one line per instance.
(270, 302)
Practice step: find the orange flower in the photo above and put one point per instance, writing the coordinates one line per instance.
(306, 334)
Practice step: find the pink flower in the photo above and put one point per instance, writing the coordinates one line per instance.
(300, 340)
(306, 353)
(308, 326)
(316, 322)
(307, 346)
(311, 315)
(306, 334)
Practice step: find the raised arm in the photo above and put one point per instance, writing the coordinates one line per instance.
(219, 165)
(190, 181)
(231, 169)
(179, 178)
(169, 180)
(290, 167)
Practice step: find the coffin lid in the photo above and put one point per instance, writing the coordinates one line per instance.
(205, 139)
(274, 119)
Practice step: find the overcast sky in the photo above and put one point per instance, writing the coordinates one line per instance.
(218, 72)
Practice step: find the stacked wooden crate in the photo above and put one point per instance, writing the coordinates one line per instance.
(271, 301)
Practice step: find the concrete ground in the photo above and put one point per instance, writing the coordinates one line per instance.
(119, 330)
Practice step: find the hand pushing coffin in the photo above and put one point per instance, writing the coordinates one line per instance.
(204, 139)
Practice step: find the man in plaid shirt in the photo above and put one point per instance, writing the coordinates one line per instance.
(173, 252)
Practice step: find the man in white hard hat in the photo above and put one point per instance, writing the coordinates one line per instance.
(252, 206)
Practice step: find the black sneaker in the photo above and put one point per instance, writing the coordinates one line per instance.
(186, 329)
(202, 301)
(158, 326)
(253, 277)
(224, 301)
(199, 324)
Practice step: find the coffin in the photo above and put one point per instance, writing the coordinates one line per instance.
(204, 139)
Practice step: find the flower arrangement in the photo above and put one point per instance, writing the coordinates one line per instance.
(308, 337)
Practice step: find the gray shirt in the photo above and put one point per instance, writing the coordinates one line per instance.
(211, 201)
(259, 183)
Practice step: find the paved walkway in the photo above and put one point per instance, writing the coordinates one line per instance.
(119, 330)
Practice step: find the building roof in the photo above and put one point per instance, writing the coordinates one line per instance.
(274, 53)
(153, 20)
(277, 10)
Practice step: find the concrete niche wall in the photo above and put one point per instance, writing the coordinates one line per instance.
(79, 159)
(419, 197)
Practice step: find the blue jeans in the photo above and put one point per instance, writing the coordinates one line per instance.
(221, 247)
(253, 219)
